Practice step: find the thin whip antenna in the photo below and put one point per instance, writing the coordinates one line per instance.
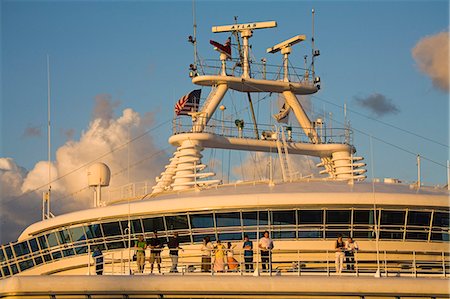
(47, 195)
(312, 45)
(195, 32)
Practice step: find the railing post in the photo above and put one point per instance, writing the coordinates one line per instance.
(356, 264)
(298, 261)
(385, 264)
(443, 264)
(414, 264)
(112, 264)
(328, 264)
(89, 259)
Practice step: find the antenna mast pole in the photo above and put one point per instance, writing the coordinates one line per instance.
(47, 195)
(195, 33)
(312, 45)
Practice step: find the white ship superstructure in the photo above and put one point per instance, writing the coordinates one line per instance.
(402, 230)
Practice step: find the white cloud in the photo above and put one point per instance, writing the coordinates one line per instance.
(431, 55)
(105, 138)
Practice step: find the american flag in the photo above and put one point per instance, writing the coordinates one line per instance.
(188, 103)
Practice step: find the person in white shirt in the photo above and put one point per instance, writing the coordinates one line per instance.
(266, 246)
(207, 248)
(339, 246)
(350, 248)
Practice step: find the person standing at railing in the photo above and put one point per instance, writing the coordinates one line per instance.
(174, 247)
(97, 255)
(339, 246)
(206, 249)
(219, 257)
(248, 254)
(350, 248)
(155, 252)
(266, 246)
(140, 247)
(231, 261)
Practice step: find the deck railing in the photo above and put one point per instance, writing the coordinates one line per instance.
(229, 128)
(292, 262)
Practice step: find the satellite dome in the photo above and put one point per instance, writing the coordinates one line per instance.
(98, 174)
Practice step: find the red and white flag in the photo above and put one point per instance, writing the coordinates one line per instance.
(188, 103)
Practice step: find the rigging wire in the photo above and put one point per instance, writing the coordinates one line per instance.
(381, 122)
(96, 159)
(394, 145)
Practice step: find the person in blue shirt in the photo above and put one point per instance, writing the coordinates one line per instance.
(98, 259)
(248, 254)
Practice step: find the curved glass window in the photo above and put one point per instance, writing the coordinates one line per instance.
(43, 242)
(77, 233)
(111, 229)
(250, 218)
(283, 218)
(228, 219)
(21, 248)
(310, 234)
(33, 245)
(136, 227)
(93, 231)
(417, 218)
(441, 219)
(177, 222)
(52, 240)
(338, 216)
(152, 224)
(283, 234)
(201, 220)
(392, 217)
(63, 236)
(199, 238)
(363, 217)
(230, 236)
(2, 255)
(310, 217)
(398, 235)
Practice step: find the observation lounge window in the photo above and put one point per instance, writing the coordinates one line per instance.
(310, 217)
(21, 248)
(152, 224)
(34, 245)
(392, 217)
(416, 218)
(111, 229)
(230, 236)
(52, 240)
(77, 234)
(63, 236)
(9, 253)
(115, 245)
(43, 242)
(2, 255)
(338, 216)
(199, 238)
(441, 219)
(93, 231)
(136, 227)
(228, 219)
(177, 222)
(26, 265)
(202, 220)
(363, 217)
(255, 218)
(283, 218)
(440, 227)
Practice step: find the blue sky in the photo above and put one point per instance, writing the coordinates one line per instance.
(136, 52)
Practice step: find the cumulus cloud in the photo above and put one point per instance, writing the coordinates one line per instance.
(431, 55)
(377, 104)
(105, 140)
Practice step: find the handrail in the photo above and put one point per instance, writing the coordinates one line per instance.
(293, 262)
